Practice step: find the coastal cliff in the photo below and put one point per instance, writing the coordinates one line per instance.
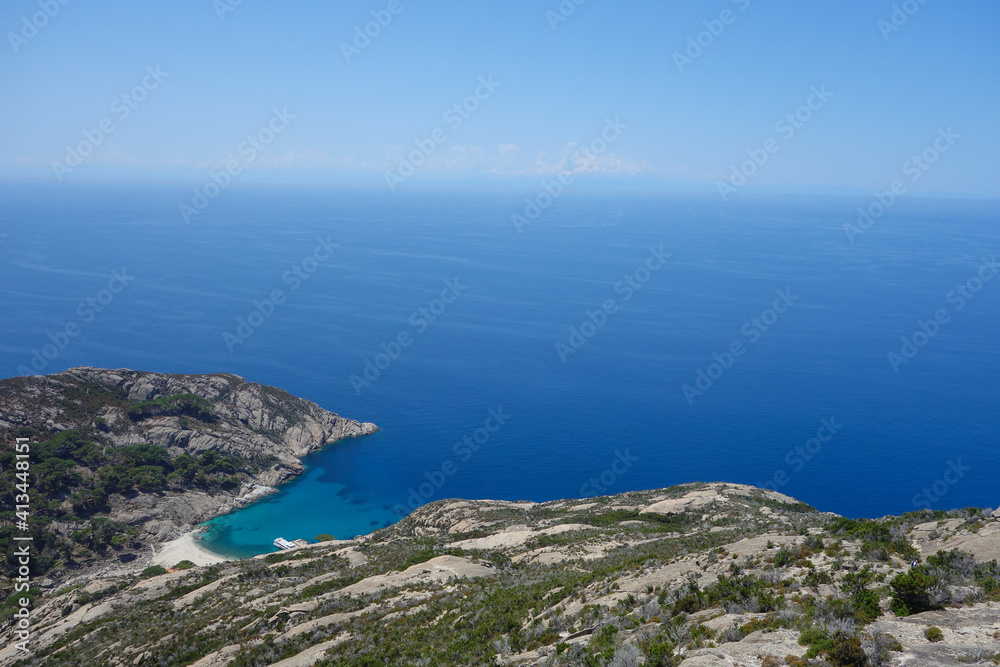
(152, 453)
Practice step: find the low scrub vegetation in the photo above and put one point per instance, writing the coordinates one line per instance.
(72, 479)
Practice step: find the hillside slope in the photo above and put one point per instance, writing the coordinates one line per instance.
(701, 575)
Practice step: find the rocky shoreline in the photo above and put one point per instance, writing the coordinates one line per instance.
(200, 417)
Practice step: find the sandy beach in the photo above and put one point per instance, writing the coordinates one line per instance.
(184, 547)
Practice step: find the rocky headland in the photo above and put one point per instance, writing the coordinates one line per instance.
(153, 453)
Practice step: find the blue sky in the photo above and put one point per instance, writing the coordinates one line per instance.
(558, 86)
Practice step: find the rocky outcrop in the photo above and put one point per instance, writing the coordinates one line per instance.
(241, 418)
(254, 420)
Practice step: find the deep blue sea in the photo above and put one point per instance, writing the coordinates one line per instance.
(612, 410)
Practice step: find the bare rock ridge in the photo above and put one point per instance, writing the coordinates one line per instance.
(255, 420)
(264, 430)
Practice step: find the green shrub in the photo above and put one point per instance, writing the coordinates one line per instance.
(184, 565)
(815, 579)
(911, 593)
(604, 640)
(659, 652)
(658, 522)
(187, 405)
(844, 650)
(866, 605)
(864, 602)
(817, 641)
(876, 537)
(745, 591)
(960, 568)
(152, 571)
(847, 651)
(784, 557)
(934, 634)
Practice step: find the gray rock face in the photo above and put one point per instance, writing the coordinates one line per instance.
(165, 517)
(256, 420)
(253, 420)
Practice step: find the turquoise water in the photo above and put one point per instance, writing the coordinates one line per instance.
(618, 397)
(312, 501)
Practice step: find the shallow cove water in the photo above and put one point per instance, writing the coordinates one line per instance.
(568, 417)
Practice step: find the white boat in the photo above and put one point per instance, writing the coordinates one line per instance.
(282, 543)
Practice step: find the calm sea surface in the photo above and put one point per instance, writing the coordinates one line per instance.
(550, 363)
